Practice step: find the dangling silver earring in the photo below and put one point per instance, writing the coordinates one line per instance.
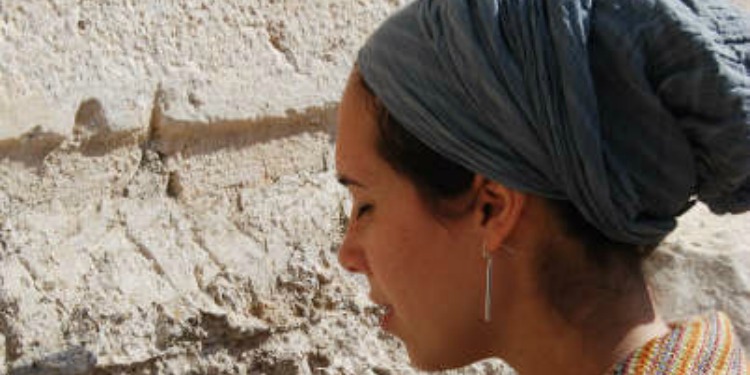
(488, 284)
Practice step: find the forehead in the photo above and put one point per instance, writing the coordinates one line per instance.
(356, 130)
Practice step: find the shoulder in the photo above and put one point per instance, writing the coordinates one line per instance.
(705, 345)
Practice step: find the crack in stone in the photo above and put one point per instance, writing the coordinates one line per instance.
(9, 309)
(146, 253)
(202, 245)
(35, 278)
(275, 32)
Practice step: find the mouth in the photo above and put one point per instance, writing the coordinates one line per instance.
(385, 315)
(382, 311)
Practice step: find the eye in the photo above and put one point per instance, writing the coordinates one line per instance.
(363, 209)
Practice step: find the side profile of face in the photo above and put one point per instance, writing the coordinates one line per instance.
(427, 271)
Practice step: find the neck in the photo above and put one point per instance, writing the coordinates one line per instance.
(546, 343)
(602, 326)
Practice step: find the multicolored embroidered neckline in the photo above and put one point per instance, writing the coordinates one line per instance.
(704, 345)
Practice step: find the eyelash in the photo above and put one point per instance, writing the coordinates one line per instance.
(363, 209)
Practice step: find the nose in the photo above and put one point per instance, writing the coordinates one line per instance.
(351, 254)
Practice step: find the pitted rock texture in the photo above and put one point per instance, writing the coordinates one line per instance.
(215, 60)
(168, 203)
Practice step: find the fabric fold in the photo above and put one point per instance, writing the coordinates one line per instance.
(626, 108)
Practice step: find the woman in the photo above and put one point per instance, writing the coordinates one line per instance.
(513, 162)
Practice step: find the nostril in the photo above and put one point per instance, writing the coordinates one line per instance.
(348, 264)
(351, 259)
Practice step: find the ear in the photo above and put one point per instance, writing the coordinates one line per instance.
(499, 210)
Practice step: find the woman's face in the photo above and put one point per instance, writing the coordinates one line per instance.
(426, 270)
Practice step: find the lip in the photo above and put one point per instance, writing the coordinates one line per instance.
(386, 316)
(384, 313)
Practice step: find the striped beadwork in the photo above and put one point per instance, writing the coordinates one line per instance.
(704, 345)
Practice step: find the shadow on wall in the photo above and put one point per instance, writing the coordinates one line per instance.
(94, 136)
(31, 148)
(74, 361)
(170, 136)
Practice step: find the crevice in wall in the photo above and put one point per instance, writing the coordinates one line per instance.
(155, 121)
(189, 138)
(3, 244)
(35, 279)
(8, 312)
(254, 235)
(93, 134)
(76, 360)
(31, 148)
(150, 165)
(91, 118)
(276, 37)
(174, 185)
(219, 332)
(202, 245)
(147, 254)
(148, 366)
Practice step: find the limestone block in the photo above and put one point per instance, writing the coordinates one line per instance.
(689, 282)
(229, 60)
(705, 265)
(168, 204)
(280, 56)
(208, 157)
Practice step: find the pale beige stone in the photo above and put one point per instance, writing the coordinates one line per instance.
(207, 62)
(168, 202)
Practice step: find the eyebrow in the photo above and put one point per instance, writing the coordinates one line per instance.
(348, 181)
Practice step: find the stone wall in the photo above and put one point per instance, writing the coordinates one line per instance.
(167, 200)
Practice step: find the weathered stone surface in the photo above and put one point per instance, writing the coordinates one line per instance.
(703, 266)
(168, 204)
(107, 62)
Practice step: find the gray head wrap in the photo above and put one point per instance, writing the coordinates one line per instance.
(627, 108)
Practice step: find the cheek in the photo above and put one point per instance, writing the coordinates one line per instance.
(414, 256)
(396, 246)
(400, 242)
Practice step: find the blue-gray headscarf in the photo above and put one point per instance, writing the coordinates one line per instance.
(627, 108)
